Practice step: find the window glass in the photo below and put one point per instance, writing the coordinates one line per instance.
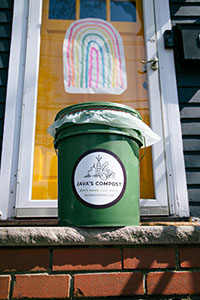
(123, 11)
(52, 96)
(93, 9)
(62, 9)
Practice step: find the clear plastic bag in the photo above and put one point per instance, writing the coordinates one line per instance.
(110, 118)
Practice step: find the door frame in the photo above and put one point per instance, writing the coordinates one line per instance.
(168, 160)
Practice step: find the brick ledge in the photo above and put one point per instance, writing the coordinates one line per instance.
(68, 236)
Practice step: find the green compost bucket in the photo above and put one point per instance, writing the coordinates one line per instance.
(98, 170)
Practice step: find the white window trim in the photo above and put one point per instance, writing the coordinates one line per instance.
(168, 178)
(176, 174)
(160, 205)
(12, 121)
(24, 205)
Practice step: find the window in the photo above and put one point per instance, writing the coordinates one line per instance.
(123, 11)
(40, 94)
(64, 10)
(92, 8)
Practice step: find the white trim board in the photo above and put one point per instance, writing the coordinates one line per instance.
(168, 162)
(176, 175)
(160, 203)
(12, 121)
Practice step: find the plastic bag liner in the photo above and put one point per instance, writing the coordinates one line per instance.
(109, 117)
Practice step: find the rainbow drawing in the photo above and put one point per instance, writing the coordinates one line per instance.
(93, 58)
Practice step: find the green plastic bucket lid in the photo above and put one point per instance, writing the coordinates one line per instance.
(104, 113)
(96, 106)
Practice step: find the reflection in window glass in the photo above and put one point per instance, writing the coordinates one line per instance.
(123, 11)
(52, 96)
(93, 9)
(62, 9)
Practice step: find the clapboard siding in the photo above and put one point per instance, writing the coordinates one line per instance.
(5, 30)
(6, 16)
(2, 94)
(191, 143)
(4, 57)
(188, 82)
(6, 12)
(186, 10)
(193, 176)
(189, 111)
(192, 160)
(193, 195)
(190, 79)
(184, 1)
(190, 127)
(4, 45)
(6, 4)
(189, 94)
(194, 209)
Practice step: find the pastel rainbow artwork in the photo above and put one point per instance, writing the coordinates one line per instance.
(93, 58)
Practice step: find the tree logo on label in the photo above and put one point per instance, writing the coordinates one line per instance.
(100, 170)
(99, 178)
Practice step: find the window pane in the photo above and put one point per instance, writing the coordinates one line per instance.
(62, 9)
(123, 11)
(93, 9)
(52, 97)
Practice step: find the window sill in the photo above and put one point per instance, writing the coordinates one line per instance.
(68, 236)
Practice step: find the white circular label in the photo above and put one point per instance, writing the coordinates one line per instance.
(99, 178)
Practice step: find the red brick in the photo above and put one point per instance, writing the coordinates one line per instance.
(189, 257)
(173, 283)
(24, 260)
(107, 285)
(86, 259)
(151, 257)
(4, 286)
(41, 286)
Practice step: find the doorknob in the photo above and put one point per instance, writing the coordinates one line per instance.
(153, 62)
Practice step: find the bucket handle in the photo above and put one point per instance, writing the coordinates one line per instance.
(145, 151)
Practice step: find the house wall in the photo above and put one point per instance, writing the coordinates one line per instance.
(142, 272)
(169, 271)
(188, 82)
(182, 11)
(6, 11)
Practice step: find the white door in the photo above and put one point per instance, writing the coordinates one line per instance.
(44, 95)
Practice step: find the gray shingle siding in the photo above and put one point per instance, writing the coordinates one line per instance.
(6, 12)
(188, 82)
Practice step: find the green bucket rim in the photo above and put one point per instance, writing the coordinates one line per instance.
(96, 106)
(66, 131)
